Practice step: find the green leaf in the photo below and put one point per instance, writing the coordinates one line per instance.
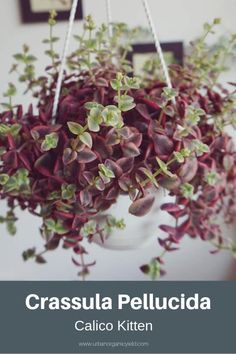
(233, 37)
(132, 83)
(89, 228)
(86, 139)
(11, 185)
(15, 129)
(30, 253)
(200, 147)
(50, 142)
(22, 78)
(4, 178)
(116, 223)
(153, 269)
(112, 116)
(11, 222)
(181, 155)
(125, 102)
(51, 40)
(194, 115)
(68, 191)
(19, 182)
(56, 226)
(91, 105)
(4, 129)
(22, 177)
(212, 178)
(105, 171)
(52, 18)
(95, 119)
(30, 59)
(50, 224)
(116, 84)
(75, 128)
(19, 57)
(11, 227)
(187, 190)
(51, 53)
(60, 228)
(89, 23)
(93, 124)
(22, 173)
(217, 21)
(207, 27)
(164, 168)
(54, 196)
(113, 223)
(169, 93)
(11, 91)
(150, 176)
(125, 83)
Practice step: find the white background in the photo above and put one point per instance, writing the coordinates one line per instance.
(175, 20)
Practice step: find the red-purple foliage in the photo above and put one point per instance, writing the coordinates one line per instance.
(148, 133)
(70, 168)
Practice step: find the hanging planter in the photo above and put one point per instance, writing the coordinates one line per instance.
(138, 232)
(113, 138)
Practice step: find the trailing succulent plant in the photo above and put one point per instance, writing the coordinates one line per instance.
(115, 134)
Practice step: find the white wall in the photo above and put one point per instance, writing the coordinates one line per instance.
(176, 20)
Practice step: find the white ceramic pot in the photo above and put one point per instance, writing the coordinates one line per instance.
(139, 231)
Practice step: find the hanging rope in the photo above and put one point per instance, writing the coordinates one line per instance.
(109, 21)
(109, 17)
(63, 59)
(157, 43)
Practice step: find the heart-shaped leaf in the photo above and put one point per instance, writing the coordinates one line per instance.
(69, 156)
(75, 128)
(86, 139)
(130, 150)
(86, 156)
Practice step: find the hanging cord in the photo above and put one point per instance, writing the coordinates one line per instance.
(109, 17)
(63, 59)
(109, 20)
(157, 43)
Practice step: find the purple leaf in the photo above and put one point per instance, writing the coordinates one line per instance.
(142, 110)
(86, 156)
(114, 167)
(85, 197)
(170, 230)
(189, 169)
(53, 243)
(130, 150)
(126, 163)
(170, 207)
(45, 164)
(145, 269)
(69, 156)
(142, 206)
(163, 145)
